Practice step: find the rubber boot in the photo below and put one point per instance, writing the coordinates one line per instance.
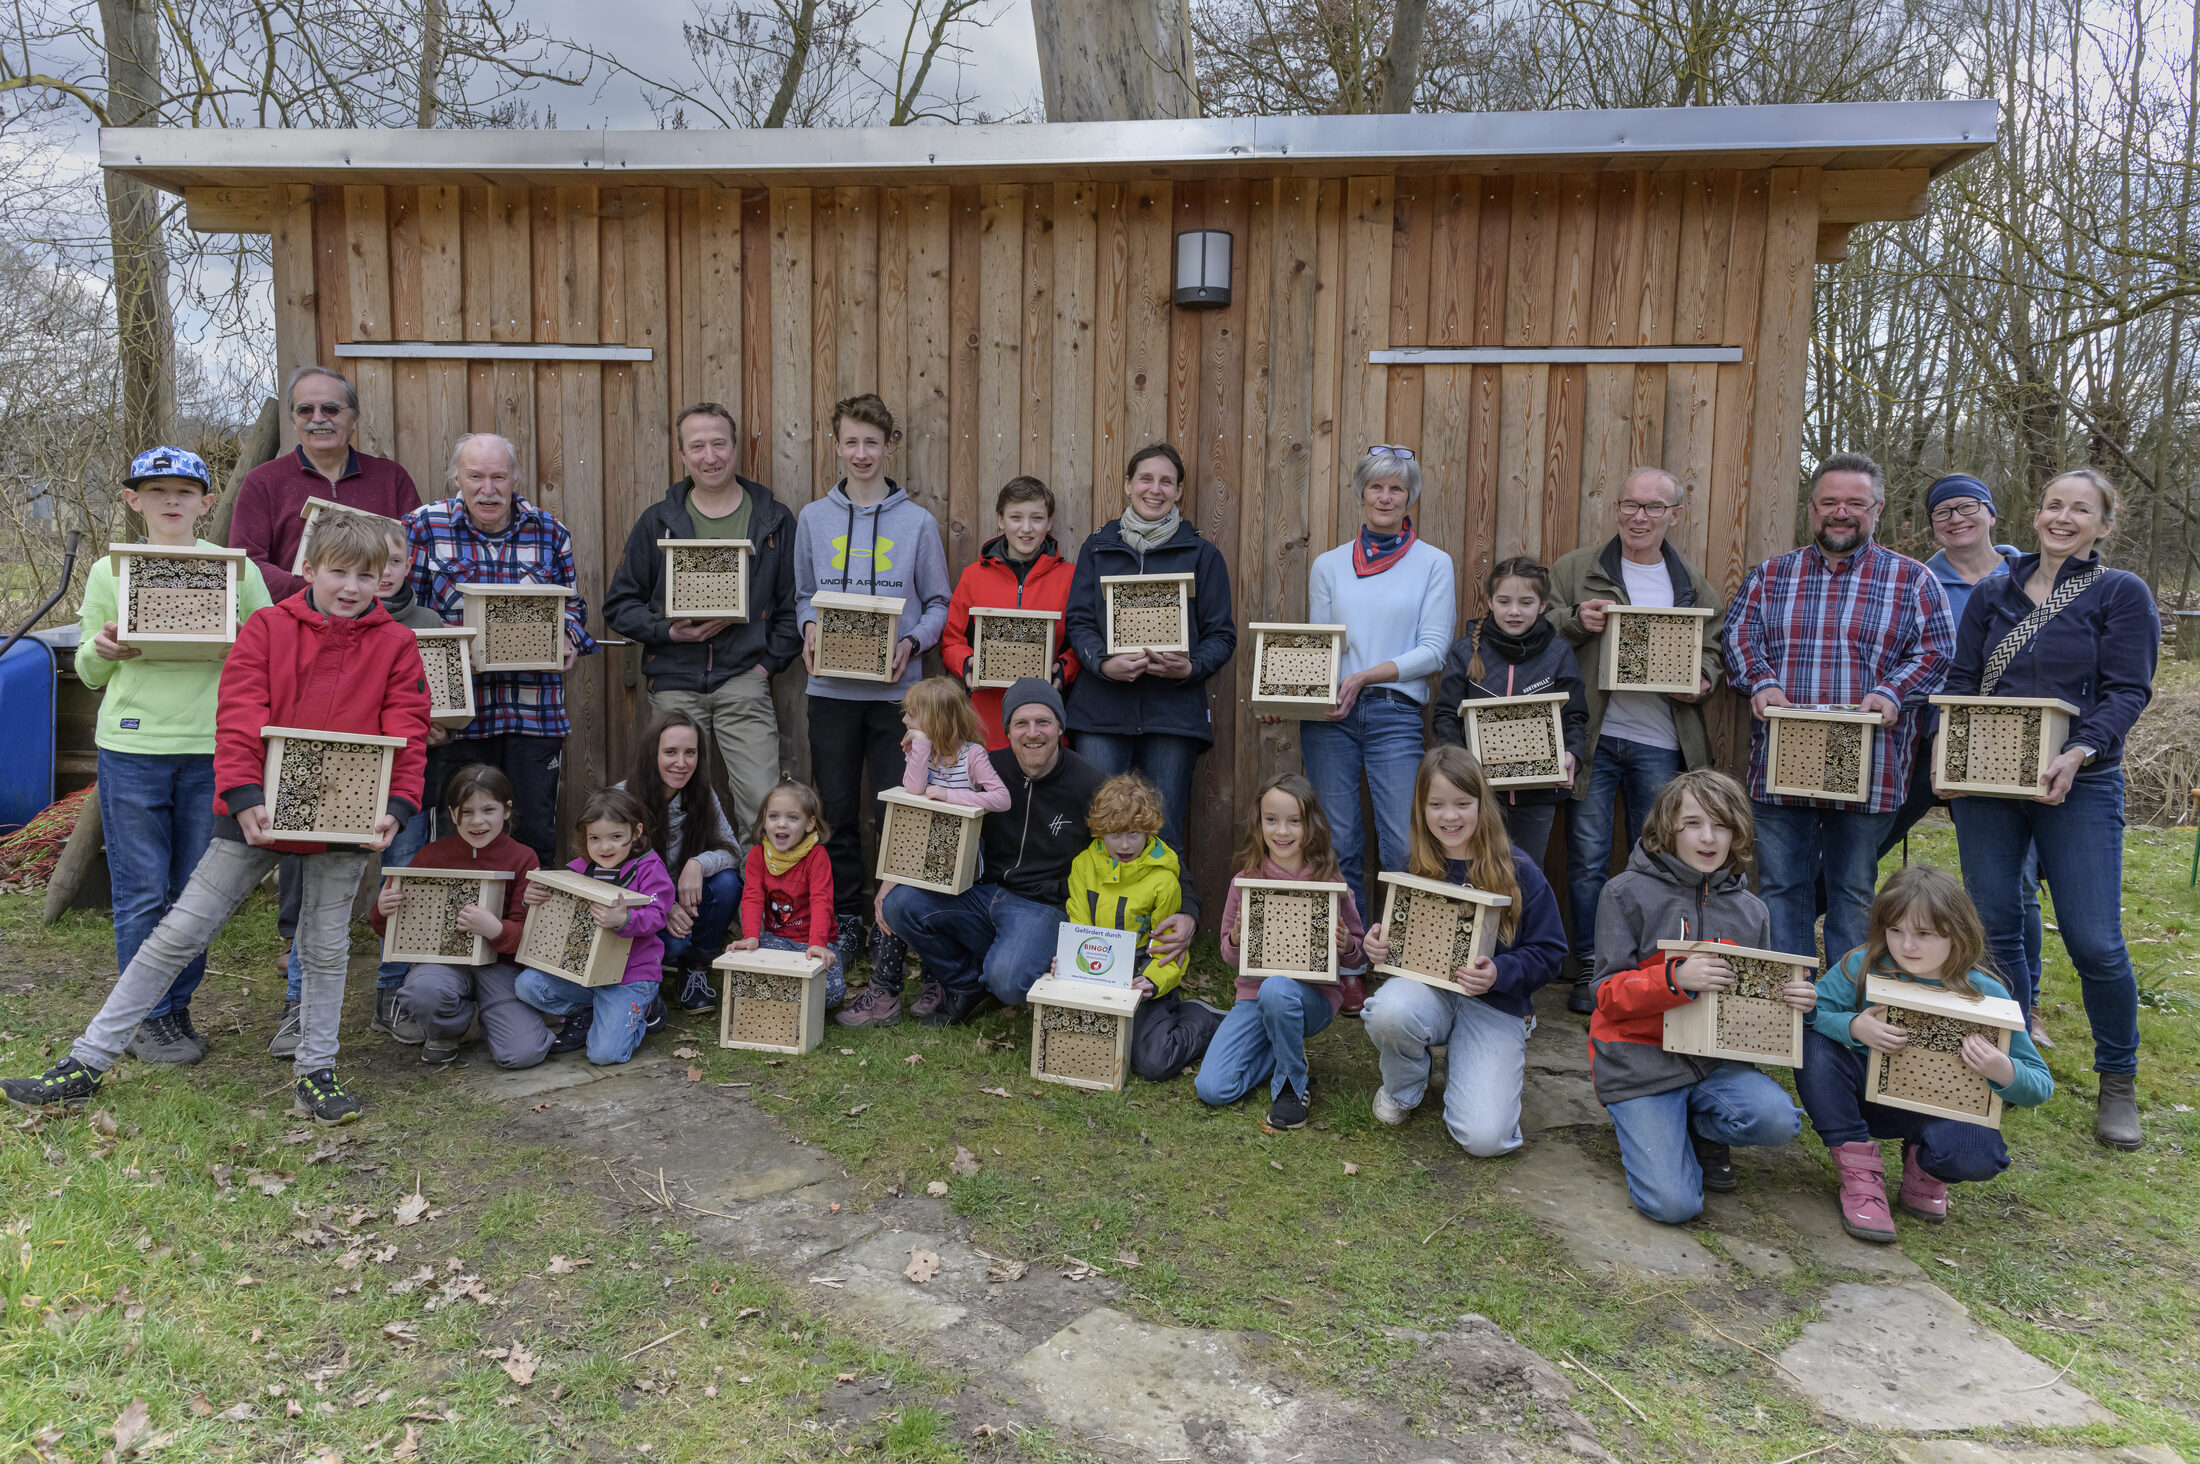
(1922, 1195)
(2117, 1123)
(1864, 1212)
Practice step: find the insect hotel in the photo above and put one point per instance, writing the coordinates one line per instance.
(562, 937)
(1819, 752)
(1147, 612)
(1654, 648)
(1081, 1032)
(1006, 645)
(1519, 740)
(1435, 928)
(1295, 667)
(928, 843)
(176, 604)
(1288, 927)
(522, 627)
(1996, 745)
(856, 634)
(311, 513)
(426, 928)
(447, 656)
(774, 1001)
(707, 579)
(1928, 1075)
(1748, 1022)
(329, 787)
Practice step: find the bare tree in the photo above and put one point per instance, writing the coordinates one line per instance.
(1116, 60)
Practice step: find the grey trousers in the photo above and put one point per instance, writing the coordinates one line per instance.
(743, 727)
(446, 999)
(224, 876)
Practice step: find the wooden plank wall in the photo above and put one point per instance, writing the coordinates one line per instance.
(1027, 328)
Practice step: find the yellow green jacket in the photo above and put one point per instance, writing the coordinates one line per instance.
(1135, 895)
(154, 706)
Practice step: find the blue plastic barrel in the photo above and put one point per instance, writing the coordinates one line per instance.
(26, 732)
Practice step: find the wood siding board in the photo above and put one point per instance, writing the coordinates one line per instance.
(1699, 303)
(404, 265)
(1661, 244)
(1111, 306)
(1725, 507)
(1035, 450)
(1000, 287)
(893, 314)
(1614, 317)
(296, 334)
(929, 443)
(1369, 231)
(1485, 411)
(1076, 241)
(1328, 367)
(759, 442)
(1783, 346)
(966, 250)
(1186, 328)
(856, 358)
(367, 268)
(822, 320)
(1573, 291)
(794, 440)
(1149, 273)
(1218, 452)
(506, 305)
(714, 358)
(648, 322)
(1454, 228)
(1413, 208)
(1258, 540)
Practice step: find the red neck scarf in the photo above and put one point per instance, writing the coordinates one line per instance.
(1372, 553)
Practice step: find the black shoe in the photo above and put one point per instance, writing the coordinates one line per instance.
(572, 1032)
(190, 1030)
(956, 1008)
(1292, 1108)
(1716, 1161)
(67, 1082)
(655, 1016)
(1582, 1000)
(321, 1098)
(695, 992)
(848, 941)
(436, 1055)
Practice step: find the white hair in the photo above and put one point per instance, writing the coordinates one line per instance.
(1675, 493)
(511, 454)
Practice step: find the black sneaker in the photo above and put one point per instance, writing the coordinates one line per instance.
(162, 1040)
(437, 1054)
(1292, 1108)
(957, 1007)
(695, 992)
(67, 1082)
(1715, 1160)
(1582, 1000)
(572, 1032)
(190, 1030)
(655, 1016)
(321, 1098)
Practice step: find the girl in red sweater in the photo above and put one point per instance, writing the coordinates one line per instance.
(787, 883)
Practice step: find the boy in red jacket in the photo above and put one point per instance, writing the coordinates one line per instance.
(1020, 570)
(329, 659)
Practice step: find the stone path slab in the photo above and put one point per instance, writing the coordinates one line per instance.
(1585, 1202)
(1818, 1224)
(1970, 1451)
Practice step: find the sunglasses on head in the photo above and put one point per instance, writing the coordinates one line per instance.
(1385, 449)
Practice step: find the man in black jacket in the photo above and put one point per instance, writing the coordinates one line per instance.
(718, 671)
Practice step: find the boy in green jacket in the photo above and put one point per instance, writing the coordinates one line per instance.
(156, 744)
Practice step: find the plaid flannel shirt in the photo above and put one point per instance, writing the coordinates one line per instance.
(1829, 634)
(448, 551)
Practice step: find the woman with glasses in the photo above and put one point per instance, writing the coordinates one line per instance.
(1393, 593)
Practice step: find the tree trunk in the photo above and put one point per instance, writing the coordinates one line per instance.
(1401, 64)
(1116, 60)
(142, 320)
(800, 27)
(431, 60)
(259, 445)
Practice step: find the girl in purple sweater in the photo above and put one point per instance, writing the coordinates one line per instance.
(611, 1020)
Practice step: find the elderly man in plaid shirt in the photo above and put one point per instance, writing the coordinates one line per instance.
(486, 533)
(1841, 621)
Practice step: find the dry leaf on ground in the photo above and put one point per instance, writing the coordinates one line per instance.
(560, 1266)
(996, 1092)
(411, 1208)
(1352, 1169)
(857, 1110)
(999, 1269)
(686, 1053)
(408, 1447)
(923, 1265)
(936, 1187)
(238, 1413)
(404, 1334)
(521, 1364)
(129, 1424)
(694, 1073)
(914, 1058)
(964, 1162)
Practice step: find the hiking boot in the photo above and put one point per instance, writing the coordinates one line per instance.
(393, 1017)
(2037, 1031)
(436, 1054)
(889, 960)
(958, 1007)
(1922, 1195)
(877, 1007)
(1352, 986)
(285, 1041)
(1582, 1000)
(162, 1040)
(655, 1016)
(1716, 1160)
(67, 1082)
(695, 992)
(848, 940)
(1291, 1108)
(928, 1000)
(572, 1034)
(2117, 1123)
(321, 1098)
(1864, 1212)
(1388, 1110)
(182, 1016)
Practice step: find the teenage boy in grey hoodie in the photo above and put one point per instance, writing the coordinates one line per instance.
(865, 537)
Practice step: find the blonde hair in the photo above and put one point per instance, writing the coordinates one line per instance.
(1489, 847)
(944, 715)
(1941, 901)
(1721, 798)
(346, 539)
(1124, 804)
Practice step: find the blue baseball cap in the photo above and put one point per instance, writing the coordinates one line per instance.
(169, 462)
(1959, 485)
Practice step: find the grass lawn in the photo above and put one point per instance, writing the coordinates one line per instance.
(1334, 1240)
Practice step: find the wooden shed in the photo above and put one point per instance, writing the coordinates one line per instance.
(1535, 302)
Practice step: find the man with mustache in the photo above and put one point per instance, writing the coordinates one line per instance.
(1842, 621)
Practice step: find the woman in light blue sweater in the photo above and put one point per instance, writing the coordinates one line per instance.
(1395, 596)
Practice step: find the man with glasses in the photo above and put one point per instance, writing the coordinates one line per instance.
(324, 408)
(1638, 740)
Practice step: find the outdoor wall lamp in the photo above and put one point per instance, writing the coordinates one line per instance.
(1202, 269)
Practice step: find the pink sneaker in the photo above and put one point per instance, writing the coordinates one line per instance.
(1864, 1212)
(1922, 1195)
(875, 1008)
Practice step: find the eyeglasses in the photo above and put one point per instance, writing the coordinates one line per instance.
(1955, 508)
(1384, 449)
(307, 411)
(1628, 508)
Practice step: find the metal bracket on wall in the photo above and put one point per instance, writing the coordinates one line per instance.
(1552, 355)
(488, 351)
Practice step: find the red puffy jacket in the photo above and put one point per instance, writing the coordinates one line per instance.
(293, 666)
(992, 583)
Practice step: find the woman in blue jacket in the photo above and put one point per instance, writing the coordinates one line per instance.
(2063, 624)
(1146, 711)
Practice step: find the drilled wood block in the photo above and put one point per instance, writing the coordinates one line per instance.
(521, 627)
(707, 579)
(426, 928)
(1147, 612)
(447, 656)
(1820, 752)
(1748, 1022)
(773, 1001)
(1995, 746)
(1928, 1075)
(856, 635)
(1296, 668)
(1006, 645)
(1654, 648)
(176, 604)
(562, 938)
(1288, 927)
(928, 843)
(1081, 1032)
(1519, 740)
(1435, 928)
(328, 787)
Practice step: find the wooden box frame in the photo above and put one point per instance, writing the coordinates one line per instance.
(1491, 725)
(444, 708)
(1096, 1061)
(366, 790)
(986, 623)
(1667, 623)
(1273, 702)
(543, 944)
(793, 1024)
(491, 889)
(1113, 585)
(1450, 904)
(210, 643)
(1317, 905)
(1916, 1066)
(1733, 1024)
(311, 512)
(1800, 740)
(494, 652)
(2042, 743)
(909, 824)
(698, 594)
(849, 654)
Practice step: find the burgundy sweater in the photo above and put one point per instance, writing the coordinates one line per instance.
(503, 854)
(266, 524)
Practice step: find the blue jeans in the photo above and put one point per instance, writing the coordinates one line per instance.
(410, 840)
(2024, 985)
(1794, 843)
(1486, 1059)
(157, 812)
(835, 979)
(1379, 738)
(985, 934)
(1735, 1105)
(706, 938)
(2080, 846)
(1265, 1037)
(1619, 766)
(1162, 760)
(1831, 1082)
(621, 1012)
